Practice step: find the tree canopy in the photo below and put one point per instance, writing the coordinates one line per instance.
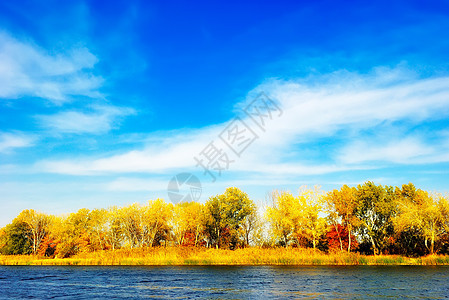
(368, 218)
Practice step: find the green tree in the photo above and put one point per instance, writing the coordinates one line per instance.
(226, 212)
(376, 209)
(15, 239)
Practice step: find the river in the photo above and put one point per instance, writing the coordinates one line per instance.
(224, 282)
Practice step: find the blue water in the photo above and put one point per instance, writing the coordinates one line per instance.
(224, 282)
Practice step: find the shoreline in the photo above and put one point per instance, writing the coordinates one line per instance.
(180, 256)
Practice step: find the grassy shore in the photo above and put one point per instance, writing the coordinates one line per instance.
(202, 256)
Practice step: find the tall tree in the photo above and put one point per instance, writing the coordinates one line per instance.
(250, 229)
(15, 238)
(132, 221)
(341, 208)
(189, 218)
(72, 233)
(146, 225)
(114, 229)
(310, 225)
(296, 219)
(226, 213)
(157, 217)
(421, 212)
(38, 225)
(375, 210)
(282, 216)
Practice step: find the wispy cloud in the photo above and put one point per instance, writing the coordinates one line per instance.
(341, 106)
(126, 184)
(401, 151)
(167, 151)
(28, 70)
(11, 141)
(100, 119)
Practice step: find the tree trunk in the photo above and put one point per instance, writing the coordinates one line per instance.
(217, 245)
(374, 246)
(313, 241)
(34, 242)
(432, 242)
(349, 238)
(196, 236)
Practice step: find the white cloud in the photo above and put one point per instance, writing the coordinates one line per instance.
(28, 70)
(101, 120)
(10, 141)
(317, 108)
(175, 150)
(400, 151)
(125, 184)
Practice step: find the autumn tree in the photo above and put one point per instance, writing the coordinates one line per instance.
(3, 239)
(297, 219)
(97, 230)
(309, 223)
(443, 206)
(251, 229)
(189, 219)
(375, 210)
(15, 238)
(38, 225)
(341, 208)
(421, 212)
(158, 214)
(72, 233)
(197, 218)
(114, 234)
(225, 215)
(337, 237)
(131, 219)
(145, 225)
(282, 217)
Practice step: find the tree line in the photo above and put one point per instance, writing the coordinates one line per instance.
(369, 218)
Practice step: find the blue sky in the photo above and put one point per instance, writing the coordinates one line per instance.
(102, 103)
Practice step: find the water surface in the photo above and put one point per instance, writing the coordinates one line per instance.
(224, 282)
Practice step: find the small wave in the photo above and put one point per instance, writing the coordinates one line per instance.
(38, 278)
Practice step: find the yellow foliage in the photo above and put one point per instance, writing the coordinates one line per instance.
(211, 256)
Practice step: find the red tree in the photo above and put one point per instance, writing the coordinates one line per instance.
(339, 233)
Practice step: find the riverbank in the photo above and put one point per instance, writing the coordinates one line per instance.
(203, 256)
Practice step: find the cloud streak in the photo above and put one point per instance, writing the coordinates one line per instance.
(341, 105)
(100, 120)
(28, 70)
(11, 141)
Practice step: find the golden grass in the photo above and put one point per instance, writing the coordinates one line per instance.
(203, 256)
